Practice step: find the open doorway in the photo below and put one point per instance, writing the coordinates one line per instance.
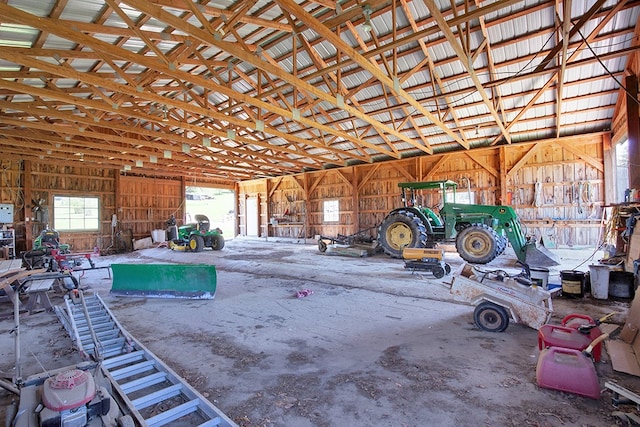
(217, 204)
(621, 180)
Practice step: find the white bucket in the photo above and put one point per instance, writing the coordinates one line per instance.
(159, 236)
(540, 277)
(599, 281)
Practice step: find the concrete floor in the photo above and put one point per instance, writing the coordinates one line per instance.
(372, 345)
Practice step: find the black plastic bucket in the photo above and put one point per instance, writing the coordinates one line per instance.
(572, 283)
(172, 233)
(621, 284)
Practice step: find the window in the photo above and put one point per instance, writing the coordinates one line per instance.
(76, 213)
(466, 197)
(331, 211)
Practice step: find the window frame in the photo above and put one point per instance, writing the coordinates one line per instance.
(90, 223)
(331, 210)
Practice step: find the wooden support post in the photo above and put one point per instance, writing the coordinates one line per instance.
(355, 200)
(236, 209)
(183, 197)
(633, 127)
(609, 163)
(268, 189)
(117, 209)
(307, 224)
(28, 228)
(502, 180)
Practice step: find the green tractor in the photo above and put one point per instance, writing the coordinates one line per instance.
(194, 236)
(480, 232)
(50, 239)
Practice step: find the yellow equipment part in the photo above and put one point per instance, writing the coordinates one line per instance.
(175, 247)
(421, 253)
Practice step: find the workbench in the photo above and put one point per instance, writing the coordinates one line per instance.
(12, 271)
(37, 291)
(9, 269)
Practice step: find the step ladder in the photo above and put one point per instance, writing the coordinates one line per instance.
(151, 392)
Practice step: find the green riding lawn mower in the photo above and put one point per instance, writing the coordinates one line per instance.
(194, 236)
(480, 232)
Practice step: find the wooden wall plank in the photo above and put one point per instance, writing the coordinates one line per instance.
(572, 185)
(511, 171)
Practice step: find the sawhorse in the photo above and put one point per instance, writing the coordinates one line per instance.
(38, 297)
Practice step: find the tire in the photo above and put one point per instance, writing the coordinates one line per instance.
(322, 246)
(447, 269)
(491, 317)
(438, 272)
(477, 244)
(461, 226)
(126, 421)
(217, 242)
(196, 243)
(399, 231)
(502, 244)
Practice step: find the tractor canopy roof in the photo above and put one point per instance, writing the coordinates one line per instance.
(201, 218)
(428, 185)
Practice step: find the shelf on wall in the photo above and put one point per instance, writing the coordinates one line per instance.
(8, 243)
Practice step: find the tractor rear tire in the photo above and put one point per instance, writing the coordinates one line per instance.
(399, 231)
(438, 272)
(217, 242)
(491, 317)
(196, 243)
(478, 244)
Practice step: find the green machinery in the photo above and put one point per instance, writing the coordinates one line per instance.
(50, 239)
(164, 280)
(480, 232)
(194, 236)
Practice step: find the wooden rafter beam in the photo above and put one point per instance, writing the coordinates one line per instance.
(236, 51)
(125, 146)
(411, 36)
(467, 64)
(574, 30)
(394, 87)
(434, 77)
(16, 15)
(218, 13)
(566, 30)
(136, 114)
(421, 144)
(124, 89)
(491, 66)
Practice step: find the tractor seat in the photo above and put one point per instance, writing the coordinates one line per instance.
(50, 238)
(203, 223)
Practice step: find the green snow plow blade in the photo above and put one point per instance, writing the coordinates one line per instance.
(164, 280)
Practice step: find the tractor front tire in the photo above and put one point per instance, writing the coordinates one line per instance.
(503, 241)
(399, 231)
(491, 317)
(478, 244)
(196, 243)
(217, 242)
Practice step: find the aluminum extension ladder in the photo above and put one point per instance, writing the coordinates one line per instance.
(153, 394)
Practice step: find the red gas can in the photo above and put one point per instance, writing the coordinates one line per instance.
(567, 370)
(565, 337)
